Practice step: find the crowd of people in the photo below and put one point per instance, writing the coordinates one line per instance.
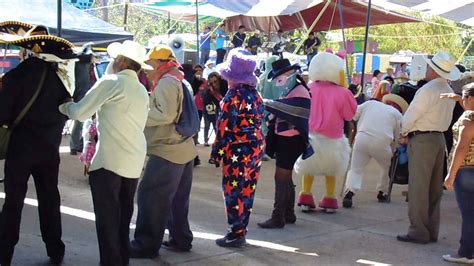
(320, 128)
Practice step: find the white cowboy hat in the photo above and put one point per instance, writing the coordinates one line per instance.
(130, 49)
(397, 100)
(444, 64)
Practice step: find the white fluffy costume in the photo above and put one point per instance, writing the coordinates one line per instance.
(331, 104)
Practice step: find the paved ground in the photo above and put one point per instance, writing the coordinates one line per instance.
(362, 235)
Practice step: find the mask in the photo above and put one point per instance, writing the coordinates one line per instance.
(284, 83)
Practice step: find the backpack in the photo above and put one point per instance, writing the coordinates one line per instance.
(188, 123)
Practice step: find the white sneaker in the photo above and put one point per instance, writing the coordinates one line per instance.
(457, 259)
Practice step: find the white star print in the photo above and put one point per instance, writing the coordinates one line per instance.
(234, 158)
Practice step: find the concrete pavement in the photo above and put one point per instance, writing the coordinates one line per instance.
(363, 235)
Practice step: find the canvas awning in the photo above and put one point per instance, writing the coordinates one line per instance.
(354, 14)
(284, 14)
(77, 26)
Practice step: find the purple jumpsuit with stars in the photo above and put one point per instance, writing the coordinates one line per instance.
(239, 145)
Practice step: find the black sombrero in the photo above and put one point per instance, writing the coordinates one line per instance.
(281, 66)
(36, 39)
(15, 27)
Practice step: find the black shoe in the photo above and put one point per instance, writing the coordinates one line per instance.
(206, 144)
(2, 179)
(137, 253)
(57, 260)
(407, 238)
(272, 223)
(382, 197)
(73, 152)
(197, 161)
(290, 219)
(231, 241)
(172, 246)
(347, 202)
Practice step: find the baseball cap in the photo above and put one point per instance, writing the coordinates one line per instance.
(161, 52)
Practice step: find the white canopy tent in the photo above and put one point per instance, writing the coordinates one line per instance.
(461, 11)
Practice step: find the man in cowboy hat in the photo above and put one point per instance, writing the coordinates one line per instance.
(34, 145)
(163, 193)
(423, 125)
(378, 130)
(121, 103)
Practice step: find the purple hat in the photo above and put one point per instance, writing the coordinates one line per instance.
(239, 67)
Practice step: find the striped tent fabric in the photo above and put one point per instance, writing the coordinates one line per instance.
(461, 11)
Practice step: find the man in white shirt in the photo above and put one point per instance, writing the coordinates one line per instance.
(423, 123)
(378, 129)
(121, 103)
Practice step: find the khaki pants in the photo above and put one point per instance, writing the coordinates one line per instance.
(425, 164)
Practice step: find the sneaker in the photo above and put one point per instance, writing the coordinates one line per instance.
(231, 241)
(382, 197)
(347, 202)
(458, 259)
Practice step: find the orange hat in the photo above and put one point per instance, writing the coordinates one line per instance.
(161, 52)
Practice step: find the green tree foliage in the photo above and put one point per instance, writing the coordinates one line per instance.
(423, 37)
(143, 24)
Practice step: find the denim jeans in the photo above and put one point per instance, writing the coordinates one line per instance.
(163, 202)
(208, 120)
(464, 188)
(204, 56)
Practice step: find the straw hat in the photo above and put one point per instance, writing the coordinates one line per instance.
(393, 98)
(444, 64)
(130, 49)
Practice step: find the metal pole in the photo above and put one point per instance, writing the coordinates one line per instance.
(197, 33)
(314, 24)
(125, 15)
(366, 40)
(341, 18)
(59, 27)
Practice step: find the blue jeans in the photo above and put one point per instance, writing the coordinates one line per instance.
(204, 56)
(464, 188)
(310, 56)
(163, 202)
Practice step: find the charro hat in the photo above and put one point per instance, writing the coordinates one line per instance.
(35, 38)
(131, 50)
(396, 100)
(444, 64)
(280, 67)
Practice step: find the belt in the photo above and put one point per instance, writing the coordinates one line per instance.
(414, 133)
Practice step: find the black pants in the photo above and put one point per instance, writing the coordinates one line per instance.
(112, 196)
(45, 174)
(220, 55)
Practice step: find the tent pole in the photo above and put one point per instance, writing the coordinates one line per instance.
(59, 27)
(341, 18)
(367, 24)
(197, 33)
(314, 24)
(125, 15)
(465, 50)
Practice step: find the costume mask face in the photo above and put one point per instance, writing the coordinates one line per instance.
(285, 83)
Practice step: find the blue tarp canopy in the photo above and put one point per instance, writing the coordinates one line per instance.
(77, 26)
